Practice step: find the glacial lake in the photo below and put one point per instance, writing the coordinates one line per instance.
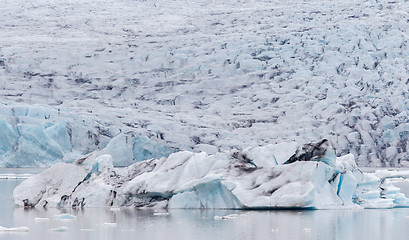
(119, 224)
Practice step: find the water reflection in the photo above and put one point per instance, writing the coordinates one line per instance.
(201, 224)
(105, 223)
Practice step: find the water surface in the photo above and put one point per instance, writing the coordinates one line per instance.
(106, 223)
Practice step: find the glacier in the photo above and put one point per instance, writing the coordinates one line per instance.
(204, 75)
(285, 175)
(39, 136)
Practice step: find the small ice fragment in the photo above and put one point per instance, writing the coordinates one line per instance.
(15, 229)
(231, 216)
(37, 219)
(274, 230)
(307, 229)
(160, 214)
(14, 176)
(59, 229)
(86, 229)
(110, 224)
(115, 209)
(65, 216)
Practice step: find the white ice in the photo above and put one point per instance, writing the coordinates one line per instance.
(14, 229)
(228, 180)
(65, 217)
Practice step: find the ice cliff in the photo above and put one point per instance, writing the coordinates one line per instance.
(40, 136)
(274, 176)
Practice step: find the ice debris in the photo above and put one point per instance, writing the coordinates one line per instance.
(14, 229)
(110, 224)
(312, 177)
(160, 214)
(59, 229)
(37, 219)
(230, 216)
(65, 216)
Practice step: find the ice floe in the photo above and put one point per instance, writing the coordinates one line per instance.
(14, 229)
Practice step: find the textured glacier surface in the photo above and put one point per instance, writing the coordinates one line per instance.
(311, 178)
(38, 136)
(207, 75)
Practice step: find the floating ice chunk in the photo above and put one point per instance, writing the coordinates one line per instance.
(230, 216)
(384, 173)
(15, 176)
(15, 229)
(110, 224)
(59, 229)
(86, 229)
(160, 214)
(41, 219)
(115, 209)
(65, 216)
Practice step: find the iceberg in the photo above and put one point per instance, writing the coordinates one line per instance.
(225, 180)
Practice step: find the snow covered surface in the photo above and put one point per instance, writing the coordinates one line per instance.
(317, 179)
(203, 75)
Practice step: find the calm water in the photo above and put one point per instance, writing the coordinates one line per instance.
(103, 223)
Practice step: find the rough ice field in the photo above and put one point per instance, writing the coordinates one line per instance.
(216, 75)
